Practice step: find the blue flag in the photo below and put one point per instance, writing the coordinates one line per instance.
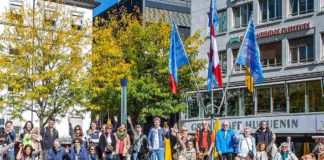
(249, 55)
(177, 57)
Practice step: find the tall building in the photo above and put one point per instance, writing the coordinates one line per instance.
(82, 9)
(154, 10)
(291, 41)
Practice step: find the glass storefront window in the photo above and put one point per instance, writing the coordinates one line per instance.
(296, 97)
(237, 66)
(279, 98)
(192, 104)
(248, 102)
(271, 54)
(233, 102)
(315, 98)
(264, 102)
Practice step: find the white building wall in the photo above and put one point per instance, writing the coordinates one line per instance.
(61, 124)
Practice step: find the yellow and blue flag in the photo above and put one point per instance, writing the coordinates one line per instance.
(249, 57)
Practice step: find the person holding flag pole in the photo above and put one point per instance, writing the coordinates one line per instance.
(248, 56)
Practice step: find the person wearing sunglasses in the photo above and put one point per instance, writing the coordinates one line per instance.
(93, 155)
(77, 152)
(77, 132)
(284, 153)
(107, 142)
(137, 149)
(204, 141)
(225, 141)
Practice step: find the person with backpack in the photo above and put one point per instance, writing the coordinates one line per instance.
(205, 140)
(49, 135)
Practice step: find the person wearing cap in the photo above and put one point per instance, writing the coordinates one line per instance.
(107, 142)
(284, 153)
(225, 141)
(246, 145)
(156, 139)
(138, 148)
(204, 141)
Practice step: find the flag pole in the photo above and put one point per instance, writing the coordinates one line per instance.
(232, 70)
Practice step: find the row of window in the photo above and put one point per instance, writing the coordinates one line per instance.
(270, 10)
(301, 50)
(299, 97)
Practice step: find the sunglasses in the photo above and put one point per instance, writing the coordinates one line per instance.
(77, 129)
(225, 125)
(184, 130)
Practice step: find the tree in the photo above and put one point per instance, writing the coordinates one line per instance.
(46, 63)
(146, 48)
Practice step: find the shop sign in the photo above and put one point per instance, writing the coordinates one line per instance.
(284, 30)
(294, 123)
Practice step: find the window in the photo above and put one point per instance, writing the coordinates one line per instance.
(322, 5)
(298, 7)
(223, 61)
(263, 95)
(248, 102)
(193, 107)
(279, 98)
(297, 97)
(242, 15)
(271, 54)
(270, 10)
(222, 21)
(238, 67)
(233, 102)
(49, 18)
(314, 95)
(15, 8)
(301, 50)
(77, 21)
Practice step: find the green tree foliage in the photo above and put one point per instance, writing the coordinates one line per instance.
(146, 48)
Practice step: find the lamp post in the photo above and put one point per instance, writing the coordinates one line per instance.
(123, 110)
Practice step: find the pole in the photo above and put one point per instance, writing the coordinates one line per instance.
(123, 113)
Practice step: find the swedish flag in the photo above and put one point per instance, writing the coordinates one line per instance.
(249, 57)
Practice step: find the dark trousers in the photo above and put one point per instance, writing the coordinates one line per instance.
(227, 156)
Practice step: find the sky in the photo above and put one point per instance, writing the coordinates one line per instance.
(104, 5)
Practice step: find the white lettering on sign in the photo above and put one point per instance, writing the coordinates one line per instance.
(278, 124)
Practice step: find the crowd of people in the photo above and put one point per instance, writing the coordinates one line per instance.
(112, 141)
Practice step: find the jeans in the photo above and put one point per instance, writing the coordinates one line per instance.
(135, 155)
(159, 154)
(11, 155)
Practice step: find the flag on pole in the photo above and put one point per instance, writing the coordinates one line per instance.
(214, 67)
(177, 57)
(217, 127)
(249, 57)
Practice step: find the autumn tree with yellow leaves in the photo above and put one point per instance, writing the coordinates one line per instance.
(43, 60)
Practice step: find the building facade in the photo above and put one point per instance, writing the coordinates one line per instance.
(291, 41)
(155, 10)
(81, 12)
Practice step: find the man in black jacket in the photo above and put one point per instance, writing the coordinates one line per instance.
(49, 135)
(263, 134)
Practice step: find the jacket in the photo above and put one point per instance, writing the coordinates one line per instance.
(4, 149)
(103, 142)
(239, 145)
(126, 145)
(48, 139)
(225, 144)
(83, 154)
(162, 133)
(59, 155)
(263, 136)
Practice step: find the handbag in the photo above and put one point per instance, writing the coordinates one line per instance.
(250, 153)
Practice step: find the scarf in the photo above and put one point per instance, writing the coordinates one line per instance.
(93, 157)
(121, 135)
(284, 155)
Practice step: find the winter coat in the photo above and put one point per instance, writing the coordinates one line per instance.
(83, 154)
(57, 155)
(263, 136)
